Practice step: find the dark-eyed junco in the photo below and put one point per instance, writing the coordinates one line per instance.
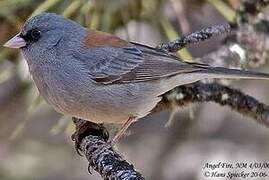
(101, 78)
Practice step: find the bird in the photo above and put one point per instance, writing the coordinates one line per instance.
(100, 77)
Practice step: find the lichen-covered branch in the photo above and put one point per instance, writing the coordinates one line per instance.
(214, 92)
(194, 38)
(92, 142)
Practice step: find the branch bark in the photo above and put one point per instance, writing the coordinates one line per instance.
(194, 38)
(220, 94)
(101, 156)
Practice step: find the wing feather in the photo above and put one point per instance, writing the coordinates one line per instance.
(134, 63)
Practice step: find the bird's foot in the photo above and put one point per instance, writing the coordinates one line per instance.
(86, 128)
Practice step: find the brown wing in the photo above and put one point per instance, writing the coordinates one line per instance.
(97, 39)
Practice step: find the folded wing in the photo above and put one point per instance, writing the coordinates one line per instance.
(136, 63)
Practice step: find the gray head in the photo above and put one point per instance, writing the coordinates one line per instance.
(44, 31)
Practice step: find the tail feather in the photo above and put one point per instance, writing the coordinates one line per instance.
(221, 72)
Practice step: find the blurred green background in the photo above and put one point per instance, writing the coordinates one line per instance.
(35, 140)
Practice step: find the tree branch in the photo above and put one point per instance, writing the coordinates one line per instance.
(102, 158)
(194, 38)
(214, 92)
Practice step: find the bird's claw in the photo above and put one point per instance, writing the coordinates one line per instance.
(88, 128)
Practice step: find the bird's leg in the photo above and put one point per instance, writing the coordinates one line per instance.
(119, 134)
(85, 128)
(122, 130)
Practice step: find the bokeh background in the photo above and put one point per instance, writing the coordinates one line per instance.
(35, 140)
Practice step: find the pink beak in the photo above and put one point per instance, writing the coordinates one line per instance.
(15, 42)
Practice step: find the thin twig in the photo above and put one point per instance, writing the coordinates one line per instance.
(194, 38)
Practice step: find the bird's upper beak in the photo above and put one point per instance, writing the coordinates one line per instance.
(15, 42)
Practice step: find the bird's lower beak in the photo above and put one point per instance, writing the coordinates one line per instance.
(15, 42)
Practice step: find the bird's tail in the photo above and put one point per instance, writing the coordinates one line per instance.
(221, 72)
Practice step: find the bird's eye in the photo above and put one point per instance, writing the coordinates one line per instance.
(31, 35)
(35, 34)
